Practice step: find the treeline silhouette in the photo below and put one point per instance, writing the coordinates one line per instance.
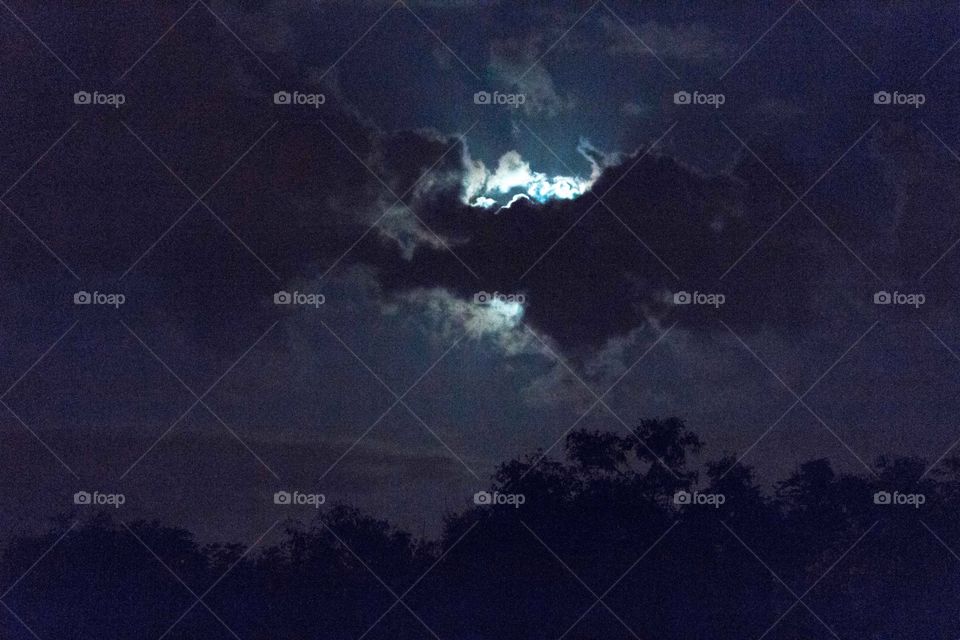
(599, 549)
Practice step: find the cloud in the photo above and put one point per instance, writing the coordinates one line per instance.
(690, 42)
(516, 65)
(514, 175)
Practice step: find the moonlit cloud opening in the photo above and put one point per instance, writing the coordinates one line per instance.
(499, 321)
(514, 177)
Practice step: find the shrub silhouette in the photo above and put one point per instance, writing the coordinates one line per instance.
(599, 548)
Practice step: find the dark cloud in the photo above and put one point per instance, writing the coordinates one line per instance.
(363, 199)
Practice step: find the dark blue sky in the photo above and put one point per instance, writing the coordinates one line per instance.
(798, 198)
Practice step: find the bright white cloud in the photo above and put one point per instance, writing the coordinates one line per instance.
(514, 175)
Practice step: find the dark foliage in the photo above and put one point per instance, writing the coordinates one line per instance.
(599, 548)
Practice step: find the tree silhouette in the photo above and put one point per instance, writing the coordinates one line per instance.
(601, 546)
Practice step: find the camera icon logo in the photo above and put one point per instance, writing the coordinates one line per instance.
(682, 297)
(482, 97)
(682, 497)
(881, 97)
(282, 297)
(483, 498)
(882, 297)
(881, 497)
(681, 97)
(281, 97)
(81, 497)
(281, 497)
(81, 97)
(482, 297)
(82, 297)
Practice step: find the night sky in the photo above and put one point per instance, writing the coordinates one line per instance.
(587, 162)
